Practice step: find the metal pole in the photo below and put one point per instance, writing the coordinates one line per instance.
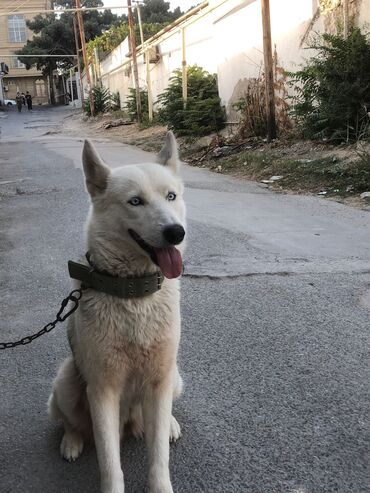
(1, 89)
(269, 72)
(97, 67)
(184, 71)
(146, 58)
(71, 85)
(84, 54)
(57, 11)
(140, 23)
(134, 60)
(149, 87)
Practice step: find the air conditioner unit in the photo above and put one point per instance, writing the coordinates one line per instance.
(154, 55)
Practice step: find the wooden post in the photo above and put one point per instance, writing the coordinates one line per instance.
(84, 54)
(345, 19)
(78, 59)
(134, 60)
(184, 71)
(269, 71)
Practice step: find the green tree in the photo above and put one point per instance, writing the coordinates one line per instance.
(158, 11)
(55, 36)
(155, 15)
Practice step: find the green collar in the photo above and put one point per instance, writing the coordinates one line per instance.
(122, 287)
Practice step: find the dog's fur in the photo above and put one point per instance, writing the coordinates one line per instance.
(123, 369)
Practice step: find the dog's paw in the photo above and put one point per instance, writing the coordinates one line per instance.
(110, 485)
(71, 446)
(161, 487)
(175, 430)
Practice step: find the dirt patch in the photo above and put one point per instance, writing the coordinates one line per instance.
(148, 139)
(339, 173)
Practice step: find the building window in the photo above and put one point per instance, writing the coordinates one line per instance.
(17, 29)
(16, 63)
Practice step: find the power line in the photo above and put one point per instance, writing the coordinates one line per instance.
(34, 56)
(62, 11)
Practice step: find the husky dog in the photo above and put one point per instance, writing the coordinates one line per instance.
(123, 368)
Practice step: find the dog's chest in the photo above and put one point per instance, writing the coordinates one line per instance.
(119, 324)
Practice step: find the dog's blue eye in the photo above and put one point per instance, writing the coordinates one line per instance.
(136, 201)
(171, 196)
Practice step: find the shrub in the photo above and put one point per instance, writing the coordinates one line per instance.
(252, 109)
(332, 98)
(102, 98)
(115, 101)
(203, 113)
(252, 105)
(131, 104)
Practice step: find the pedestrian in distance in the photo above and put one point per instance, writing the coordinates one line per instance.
(29, 101)
(19, 101)
(23, 99)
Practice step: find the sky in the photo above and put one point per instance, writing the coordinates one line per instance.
(183, 4)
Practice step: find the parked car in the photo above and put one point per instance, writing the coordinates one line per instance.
(9, 102)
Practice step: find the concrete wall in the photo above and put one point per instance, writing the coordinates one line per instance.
(228, 41)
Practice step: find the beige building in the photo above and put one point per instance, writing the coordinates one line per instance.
(13, 35)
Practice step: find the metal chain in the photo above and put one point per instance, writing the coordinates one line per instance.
(74, 297)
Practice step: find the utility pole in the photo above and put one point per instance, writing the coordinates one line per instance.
(84, 54)
(269, 71)
(345, 19)
(184, 71)
(134, 60)
(147, 64)
(78, 59)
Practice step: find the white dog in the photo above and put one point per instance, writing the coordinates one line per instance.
(123, 369)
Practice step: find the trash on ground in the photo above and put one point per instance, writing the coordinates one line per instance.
(276, 178)
(118, 123)
(222, 151)
(272, 179)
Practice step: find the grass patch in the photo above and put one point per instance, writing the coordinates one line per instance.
(330, 174)
(119, 114)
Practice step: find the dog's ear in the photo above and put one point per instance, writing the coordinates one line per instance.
(96, 172)
(169, 155)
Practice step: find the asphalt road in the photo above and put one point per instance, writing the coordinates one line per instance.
(275, 350)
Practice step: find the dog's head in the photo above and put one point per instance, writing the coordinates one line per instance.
(138, 207)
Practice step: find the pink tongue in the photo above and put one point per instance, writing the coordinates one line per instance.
(170, 261)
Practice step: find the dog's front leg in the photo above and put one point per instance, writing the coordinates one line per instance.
(104, 407)
(157, 417)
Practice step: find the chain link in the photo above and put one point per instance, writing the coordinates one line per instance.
(73, 297)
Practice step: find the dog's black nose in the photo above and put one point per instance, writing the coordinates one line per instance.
(174, 234)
